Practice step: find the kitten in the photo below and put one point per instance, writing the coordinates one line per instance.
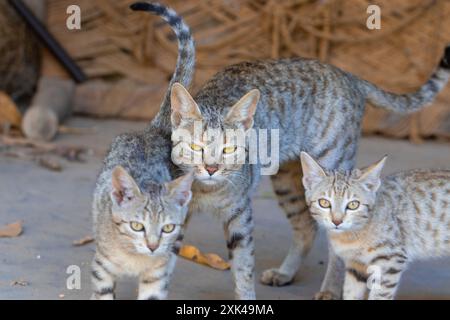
(378, 226)
(316, 107)
(137, 222)
(138, 233)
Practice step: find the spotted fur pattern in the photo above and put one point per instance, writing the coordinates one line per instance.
(317, 108)
(145, 157)
(399, 219)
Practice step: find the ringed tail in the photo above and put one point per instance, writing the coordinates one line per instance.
(411, 102)
(184, 70)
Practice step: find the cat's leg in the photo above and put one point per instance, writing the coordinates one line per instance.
(290, 193)
(333, 281)
(103, 278)
(154, 283)
(355, 284)
(238, 227)
(389, 273)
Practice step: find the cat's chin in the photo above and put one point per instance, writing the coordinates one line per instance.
(338, 230)
(149, 254)
(208, 182)
(342, 230)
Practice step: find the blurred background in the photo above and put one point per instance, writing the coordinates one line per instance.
(128, 57)
(59, 114)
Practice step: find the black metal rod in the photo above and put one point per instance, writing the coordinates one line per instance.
(49, 41)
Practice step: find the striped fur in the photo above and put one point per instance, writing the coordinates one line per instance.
(236, 218)
(184, 70)
(399, 219)
(407, 103)
(317, 108)
(145, 156)
(149, 253)
(289, 192)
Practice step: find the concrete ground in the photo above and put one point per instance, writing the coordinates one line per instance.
(55, 208)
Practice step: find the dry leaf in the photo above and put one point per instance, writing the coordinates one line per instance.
(74, 130)
(42, 153)
(9, 113)
(20, 282)
(83, 241)
(209, 259)
(50, 164)
(11, 230)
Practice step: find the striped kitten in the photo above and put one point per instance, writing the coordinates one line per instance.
(317, 108)
(139, 235)
(378, 226)
(138, 213)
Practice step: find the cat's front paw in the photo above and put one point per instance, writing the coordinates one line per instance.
(325, 295)
(273, 277)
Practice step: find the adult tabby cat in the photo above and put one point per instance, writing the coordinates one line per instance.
(138, 214)
(377, 226)
(317, 108)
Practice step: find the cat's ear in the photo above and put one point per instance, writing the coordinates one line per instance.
(244, 110)
(312, 171)
(180, 189)
(370, 177)
(124, 188)
(183, 105)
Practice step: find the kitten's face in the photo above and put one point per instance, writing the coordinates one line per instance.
(340, 201)
(149, 222)
(213, 147)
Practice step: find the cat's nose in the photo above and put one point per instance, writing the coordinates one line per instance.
(337, 222)
(211, 169)
(152, 246)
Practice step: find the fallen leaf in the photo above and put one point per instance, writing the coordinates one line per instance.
(9, 113)
(209, 259)
(11, 230)
(74, 130)
(48, 163)
(68, 152)
(83, 241)
(20, 282)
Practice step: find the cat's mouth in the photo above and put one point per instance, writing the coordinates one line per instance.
(339, 229)
(213, 181)
(207, 180)
(336, 228)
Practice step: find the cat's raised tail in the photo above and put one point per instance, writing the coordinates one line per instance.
(406, 103)
(184, 70)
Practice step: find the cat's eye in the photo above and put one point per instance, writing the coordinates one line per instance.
(229, 149)
(195, 147)
(168, 228)
(136, 226)
(324, 203)
(353, 205)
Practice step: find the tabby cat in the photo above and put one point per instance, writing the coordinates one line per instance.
(316, 107)
(377, 226)
(138, 233)
(138, 213)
